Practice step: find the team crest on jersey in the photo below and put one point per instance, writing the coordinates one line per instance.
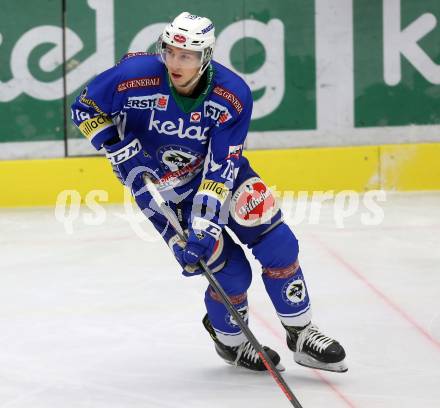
(176, 157)
(180, 165)
(157, 101)
(253, 203)
(195, 117)
(216, 112)
(294, 292)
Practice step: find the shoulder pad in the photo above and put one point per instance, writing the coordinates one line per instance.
(129, 55)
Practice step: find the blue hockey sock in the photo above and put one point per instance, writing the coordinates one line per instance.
(287, 290)
(226, 329)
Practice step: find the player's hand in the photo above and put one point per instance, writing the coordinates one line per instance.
(202, 239)
(187, 270)
(178, 247)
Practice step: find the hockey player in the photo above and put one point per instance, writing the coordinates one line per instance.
(182, 118)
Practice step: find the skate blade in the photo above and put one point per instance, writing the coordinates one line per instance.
(279, 367)
(308, 361)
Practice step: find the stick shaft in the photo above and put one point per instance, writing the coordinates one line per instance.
(270, 366)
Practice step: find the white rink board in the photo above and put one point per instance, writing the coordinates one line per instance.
(101, 318)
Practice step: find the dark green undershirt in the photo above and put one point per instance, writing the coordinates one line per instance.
(190, 102)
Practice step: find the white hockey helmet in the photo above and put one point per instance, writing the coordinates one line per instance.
(189, 32)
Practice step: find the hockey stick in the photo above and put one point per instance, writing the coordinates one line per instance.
(270, 366)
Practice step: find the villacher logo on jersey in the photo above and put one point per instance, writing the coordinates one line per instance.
(170, 128)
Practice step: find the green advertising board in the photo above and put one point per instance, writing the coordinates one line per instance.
(31, 90)
(397, 62)
(322, 73)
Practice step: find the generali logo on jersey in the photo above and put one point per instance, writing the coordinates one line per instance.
(230, 97)
(146, 82)
(168, 127)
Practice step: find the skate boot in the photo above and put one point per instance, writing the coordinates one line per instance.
(313, 349)
(243, 355)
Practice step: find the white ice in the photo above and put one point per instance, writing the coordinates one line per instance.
(102, 317)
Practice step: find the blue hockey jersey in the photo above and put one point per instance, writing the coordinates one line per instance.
(196, 147)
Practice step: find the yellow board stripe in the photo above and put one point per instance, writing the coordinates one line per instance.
(38, 182)
(390, 167)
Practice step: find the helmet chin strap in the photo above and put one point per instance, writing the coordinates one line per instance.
(192, 81)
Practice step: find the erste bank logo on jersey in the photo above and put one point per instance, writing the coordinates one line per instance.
(157, 101)
(216, 112)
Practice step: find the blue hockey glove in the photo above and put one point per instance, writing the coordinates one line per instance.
(202, 238)
(178, 248)
(203, 234)
(129, 161)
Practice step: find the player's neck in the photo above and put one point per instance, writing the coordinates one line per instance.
(187, 90)
(195, 89)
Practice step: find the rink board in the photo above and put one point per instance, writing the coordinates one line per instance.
(406, 167)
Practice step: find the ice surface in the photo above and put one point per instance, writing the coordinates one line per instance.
(102, 318)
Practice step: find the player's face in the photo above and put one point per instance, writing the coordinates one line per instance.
(182, 65)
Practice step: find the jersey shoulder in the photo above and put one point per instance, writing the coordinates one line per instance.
(139, 64)
(230, 87)
(134, 70)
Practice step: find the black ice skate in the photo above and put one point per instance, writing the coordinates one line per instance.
(313, 349)
(243, 355)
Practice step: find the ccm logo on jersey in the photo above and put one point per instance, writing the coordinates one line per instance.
(156, 101)
(91, 127)
(216, 112)
(125, 153)
(253, 203)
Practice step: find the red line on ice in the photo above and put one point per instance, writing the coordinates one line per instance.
(379, 293)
